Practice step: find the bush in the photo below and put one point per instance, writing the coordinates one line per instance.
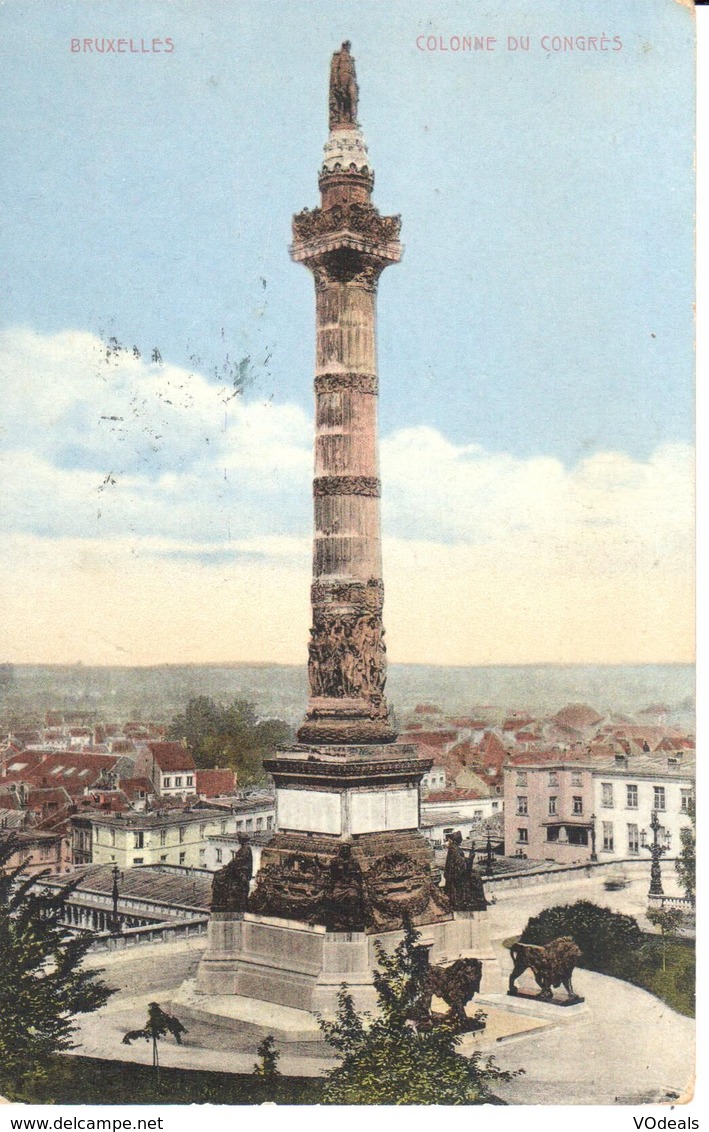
(609, 941)
(387, 1059)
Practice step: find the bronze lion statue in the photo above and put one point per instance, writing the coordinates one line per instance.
(551, 964)
(456, 985)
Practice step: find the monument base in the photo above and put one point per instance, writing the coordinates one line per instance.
(302, 967)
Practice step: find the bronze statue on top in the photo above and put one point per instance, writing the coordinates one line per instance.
(230, 886)
(344, 91)
(462, 882)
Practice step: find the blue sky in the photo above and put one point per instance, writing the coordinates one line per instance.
(542, 311)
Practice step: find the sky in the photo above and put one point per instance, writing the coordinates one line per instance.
(535, 343)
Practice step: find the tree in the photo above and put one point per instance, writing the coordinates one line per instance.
(42, 984)
(610, 941)
(386, 1059)
(231, 735)
(158, 1024)
(668, 920)
(267, 1067)
(686, 863)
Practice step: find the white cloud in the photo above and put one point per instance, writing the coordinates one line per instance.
(147, 519)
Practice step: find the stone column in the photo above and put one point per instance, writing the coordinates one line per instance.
(346, 244)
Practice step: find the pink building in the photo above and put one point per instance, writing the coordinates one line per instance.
(549, 808)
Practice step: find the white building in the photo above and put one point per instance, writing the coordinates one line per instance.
(628, 789)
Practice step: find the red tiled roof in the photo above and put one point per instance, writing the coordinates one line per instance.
(431, 738)
(212, 783)
(454, 795)
(577, 717)
(171, 756)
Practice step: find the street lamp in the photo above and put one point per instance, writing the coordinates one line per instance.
(656, 850)
(594, 854)
(115, 921)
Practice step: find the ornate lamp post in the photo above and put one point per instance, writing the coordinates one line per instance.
(656, 850)
(594, 854)
(115, 921)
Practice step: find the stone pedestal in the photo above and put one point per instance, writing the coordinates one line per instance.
(302, 967)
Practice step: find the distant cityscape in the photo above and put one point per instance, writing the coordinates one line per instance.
(88, 798)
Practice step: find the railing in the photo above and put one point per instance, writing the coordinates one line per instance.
(165, 932)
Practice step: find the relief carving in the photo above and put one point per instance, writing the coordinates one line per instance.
(362, 219)
(400, 888)
(333, 889)
(291, 887)
(356, 382)
(365, 596)
(347, 656)
(347, 485)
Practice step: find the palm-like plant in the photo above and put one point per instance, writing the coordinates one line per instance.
(158, 1024)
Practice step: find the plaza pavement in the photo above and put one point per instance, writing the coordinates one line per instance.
(626, 1046)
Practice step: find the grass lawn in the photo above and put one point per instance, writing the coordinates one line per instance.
(676, 984)
(91, 1080)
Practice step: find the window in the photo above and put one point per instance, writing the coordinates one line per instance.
(163, 858)
(259, 823)
(496, 805)
(552, 805)
(189, 781)
(137, 860)
(222, 827)
(521, 778)
(138, 840)
(182, 834)
(269, 823)
(249, 823)
(685, 800)
(606, 793)
(178, 780)
(182, 858)
(240, 824)
(631, 800)
(112, 834)
(163, 838)
(202, 831)
(202, 855)
(167, 781)
(553, 778)
(522, 804)
(608, 836)
(577, 836)
(552, 833)
(219, 856)
(576, 779)
(578, 804)
(659, 802)
(633, 839)
(523, 836)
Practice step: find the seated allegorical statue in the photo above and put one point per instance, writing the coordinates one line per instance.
(230, 886)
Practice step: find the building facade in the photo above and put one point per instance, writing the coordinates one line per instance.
(627, 791)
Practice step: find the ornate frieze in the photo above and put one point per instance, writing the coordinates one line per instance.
(347, 656)
(347, 485)
(347, 889)
(363, 596)
(361, 219)
(354, 382)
